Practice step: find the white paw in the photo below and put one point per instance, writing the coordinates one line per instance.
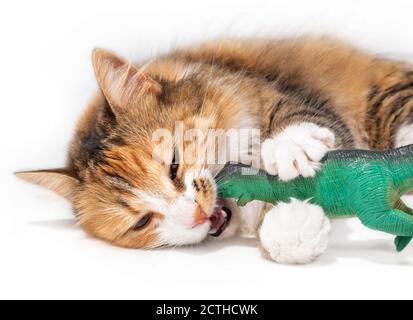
(297, 150)
(404, 136)
(295, 232)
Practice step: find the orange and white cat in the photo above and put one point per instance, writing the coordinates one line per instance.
(305, 96)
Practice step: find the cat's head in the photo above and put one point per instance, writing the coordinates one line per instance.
(129, 183)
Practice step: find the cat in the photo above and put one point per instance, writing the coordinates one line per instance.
(305, 95)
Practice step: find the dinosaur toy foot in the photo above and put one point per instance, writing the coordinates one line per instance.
(402, 242)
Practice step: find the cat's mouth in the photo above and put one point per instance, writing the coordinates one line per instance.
(220, 219)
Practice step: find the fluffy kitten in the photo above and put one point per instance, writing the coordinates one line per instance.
(305, 96)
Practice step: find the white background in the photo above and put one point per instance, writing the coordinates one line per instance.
(45, 81)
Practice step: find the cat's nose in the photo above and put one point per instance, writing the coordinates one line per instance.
(200, 216)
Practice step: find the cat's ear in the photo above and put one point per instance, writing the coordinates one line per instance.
(121, 82)
(57, 180)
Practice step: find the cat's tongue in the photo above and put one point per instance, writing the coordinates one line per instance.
(220, 219)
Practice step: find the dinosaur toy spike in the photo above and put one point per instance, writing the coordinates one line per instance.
(351, 183)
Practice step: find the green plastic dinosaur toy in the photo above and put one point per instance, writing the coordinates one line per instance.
(353, 183)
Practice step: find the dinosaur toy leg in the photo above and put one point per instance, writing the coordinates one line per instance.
(395, 222)
(402, 242)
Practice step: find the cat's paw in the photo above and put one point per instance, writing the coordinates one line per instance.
(297, 150)
(294, 233)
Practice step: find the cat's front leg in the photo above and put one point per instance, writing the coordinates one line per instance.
(297, 150)
(294, 233)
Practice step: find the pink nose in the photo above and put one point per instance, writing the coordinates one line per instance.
(200, 217)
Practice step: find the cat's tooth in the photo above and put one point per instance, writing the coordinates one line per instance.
(224, 214)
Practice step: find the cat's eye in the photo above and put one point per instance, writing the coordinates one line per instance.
(143, 222)
(173, 170)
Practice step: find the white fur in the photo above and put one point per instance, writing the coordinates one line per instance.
(249, 218)
(295, 232)
(177, 227)
(297, 150)
(404, 135)
(151, 200)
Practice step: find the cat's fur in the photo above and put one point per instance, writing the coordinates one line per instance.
(306, 95)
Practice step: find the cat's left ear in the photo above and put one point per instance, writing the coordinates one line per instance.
(57, 180)
(121, 82)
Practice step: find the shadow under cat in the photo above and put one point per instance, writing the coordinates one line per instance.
(341, 246)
